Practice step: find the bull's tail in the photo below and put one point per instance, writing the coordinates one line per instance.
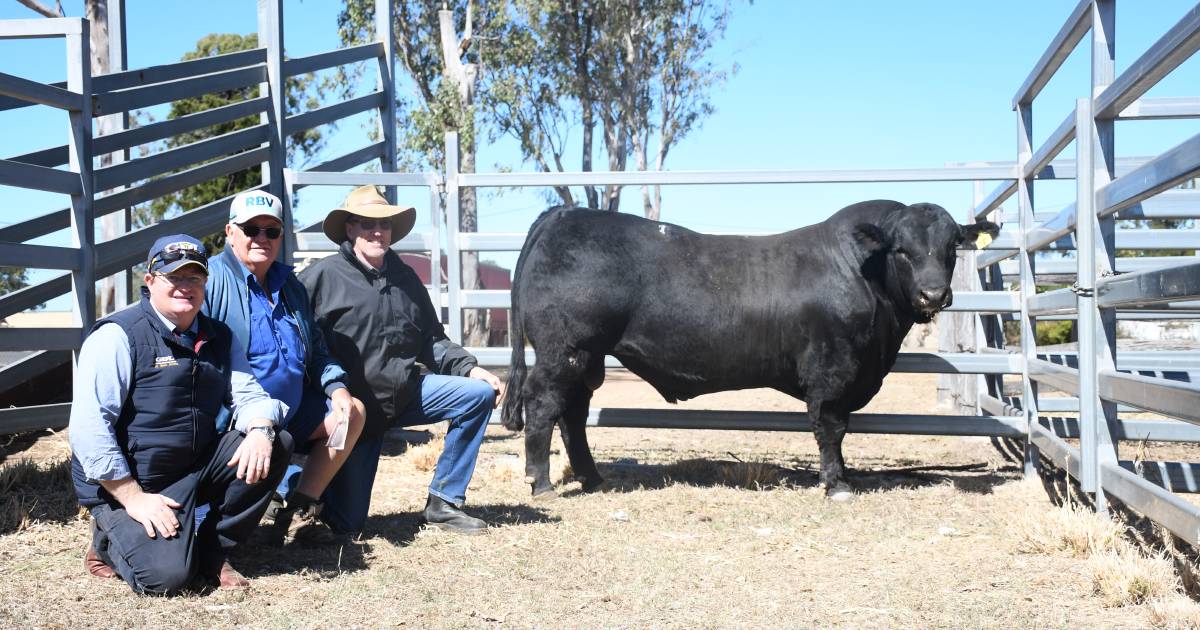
(514, 400)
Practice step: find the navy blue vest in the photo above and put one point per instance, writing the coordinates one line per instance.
(168, 419)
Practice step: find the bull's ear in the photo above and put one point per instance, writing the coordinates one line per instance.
(980, 234)
(871, 239)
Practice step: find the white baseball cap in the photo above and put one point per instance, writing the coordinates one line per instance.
(255, 203)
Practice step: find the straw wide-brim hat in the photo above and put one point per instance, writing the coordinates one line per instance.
(366, 202)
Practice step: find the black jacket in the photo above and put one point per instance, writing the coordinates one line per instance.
(380, 325)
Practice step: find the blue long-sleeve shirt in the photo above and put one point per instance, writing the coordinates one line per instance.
(227, 298)
(101, 386)
(276, 351)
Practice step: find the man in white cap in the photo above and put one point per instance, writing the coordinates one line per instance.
(382, 327)
(268, 310)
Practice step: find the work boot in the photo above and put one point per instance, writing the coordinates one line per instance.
(219, 572)
(91, 559)
(274, 507)
(299, 521)
(445, 515)
(96, 566)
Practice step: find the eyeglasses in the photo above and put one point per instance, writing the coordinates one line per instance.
(176, 252)
(183, 282)
(371, 224)
(252, 231)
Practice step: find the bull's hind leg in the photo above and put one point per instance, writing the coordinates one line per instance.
(573, 426)
(829, 427)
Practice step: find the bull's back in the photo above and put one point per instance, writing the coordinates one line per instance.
(690, 313)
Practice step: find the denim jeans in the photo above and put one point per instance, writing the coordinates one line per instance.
(466, 402)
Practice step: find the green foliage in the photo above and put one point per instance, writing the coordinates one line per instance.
(300, 95)
(1048, 333)
(434, 107)
(13, 278)
(1056, 332)
(636, 74)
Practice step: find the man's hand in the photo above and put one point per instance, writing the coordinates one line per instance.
(490, 379)
(253, 456)
(341, 400)
(155, 512)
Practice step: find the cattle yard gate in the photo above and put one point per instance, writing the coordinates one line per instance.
(1096, 386)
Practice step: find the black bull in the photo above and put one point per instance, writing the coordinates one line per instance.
(817, 313)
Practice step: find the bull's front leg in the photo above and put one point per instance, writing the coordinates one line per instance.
(829, 427)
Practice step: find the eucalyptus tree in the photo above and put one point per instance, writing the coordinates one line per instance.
(440, 46)
(637, 71)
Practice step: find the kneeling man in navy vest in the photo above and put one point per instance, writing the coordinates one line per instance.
(146, 451)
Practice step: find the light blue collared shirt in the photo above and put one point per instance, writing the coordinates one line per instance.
(102, 384)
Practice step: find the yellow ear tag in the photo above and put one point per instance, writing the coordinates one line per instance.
(983, 240)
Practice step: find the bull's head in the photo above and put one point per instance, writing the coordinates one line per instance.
(914, 251)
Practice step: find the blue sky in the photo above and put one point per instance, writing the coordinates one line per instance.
(820, 85)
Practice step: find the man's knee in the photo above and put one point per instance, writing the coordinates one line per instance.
(282, 449)
(480, 393)
(162, 578)
(281, 456)
(358, 420)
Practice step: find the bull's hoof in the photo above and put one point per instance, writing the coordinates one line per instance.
(840, 493)
(592, 484)
(545, 495)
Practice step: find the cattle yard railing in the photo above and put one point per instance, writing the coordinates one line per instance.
(1103, 287)
(113, 189)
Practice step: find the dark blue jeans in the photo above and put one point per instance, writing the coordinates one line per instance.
(166, 565)
(466, 402)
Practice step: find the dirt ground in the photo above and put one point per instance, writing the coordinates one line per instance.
(708, 529)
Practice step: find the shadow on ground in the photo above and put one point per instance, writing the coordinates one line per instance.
(401, 528)
(627, 476)
(34, 492)
(13, 445)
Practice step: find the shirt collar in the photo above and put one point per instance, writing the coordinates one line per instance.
(191, 330)
(276, 273)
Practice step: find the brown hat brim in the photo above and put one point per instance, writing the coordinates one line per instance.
(403, 219)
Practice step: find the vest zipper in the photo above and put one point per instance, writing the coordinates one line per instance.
(195, 365)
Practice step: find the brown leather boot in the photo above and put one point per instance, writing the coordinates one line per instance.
(95, 566)
(224, 576)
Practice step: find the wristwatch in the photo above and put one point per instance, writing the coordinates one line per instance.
(266, 429)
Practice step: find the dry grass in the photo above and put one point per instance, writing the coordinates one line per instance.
(32, 492)
(751, 475)
(1126, 577)
(424, 457)
(707, 529)
(1120, 574)
(1073, 529)
(1173, 613)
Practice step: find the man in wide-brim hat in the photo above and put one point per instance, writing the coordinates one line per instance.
(382, 327)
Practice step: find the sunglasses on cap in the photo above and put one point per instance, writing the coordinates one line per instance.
(252, 231)
(176, 252)
(371, 224)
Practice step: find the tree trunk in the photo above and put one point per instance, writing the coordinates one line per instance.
(956, 333)
(475, 326)
(586, 105)
(475, 321)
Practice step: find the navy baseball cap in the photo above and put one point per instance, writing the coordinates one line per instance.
(172, 252)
